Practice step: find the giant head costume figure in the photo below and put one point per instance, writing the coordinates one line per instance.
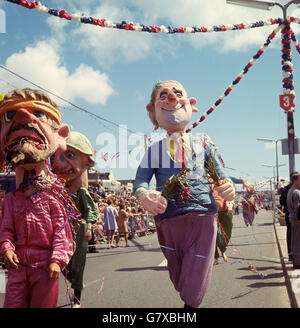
(170, 107)
(31, 131)
(72, 165)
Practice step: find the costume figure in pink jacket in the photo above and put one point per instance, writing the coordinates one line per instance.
(35, 236)
(250, 208)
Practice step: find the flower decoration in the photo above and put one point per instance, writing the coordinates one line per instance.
(211, 170)
(177, 187)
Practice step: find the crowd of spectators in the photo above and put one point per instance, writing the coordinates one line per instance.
(139, 222)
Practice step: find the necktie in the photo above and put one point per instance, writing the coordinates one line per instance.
(178, 151)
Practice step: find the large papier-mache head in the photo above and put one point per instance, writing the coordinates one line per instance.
(170, 107)
(77, 158)
(31, 127)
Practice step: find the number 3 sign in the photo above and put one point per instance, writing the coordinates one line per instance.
(287, 102)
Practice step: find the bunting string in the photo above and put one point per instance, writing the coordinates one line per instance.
(287, 66)
(287, 36)
(136, 27)
(238, 79)
(296, 43)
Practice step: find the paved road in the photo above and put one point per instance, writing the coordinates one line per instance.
(137, 277)
(234, 285)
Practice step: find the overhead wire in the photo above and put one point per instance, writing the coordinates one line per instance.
(67, 101)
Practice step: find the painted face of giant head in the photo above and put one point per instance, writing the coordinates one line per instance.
(31, 128)
(71, 163)
(172, 106)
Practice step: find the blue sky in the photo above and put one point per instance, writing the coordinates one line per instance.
(110, 73)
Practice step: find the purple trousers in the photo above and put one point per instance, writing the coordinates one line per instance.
(188, 242)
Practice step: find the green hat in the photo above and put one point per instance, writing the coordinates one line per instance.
(81, 143)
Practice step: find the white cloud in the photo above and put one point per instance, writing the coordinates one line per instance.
(296, 13)
(92, 85)
(42, 65)
(57, 27)
(190, 13)
(110, 45)
(73, 2)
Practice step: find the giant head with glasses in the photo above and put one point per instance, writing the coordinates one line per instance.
(30, 128)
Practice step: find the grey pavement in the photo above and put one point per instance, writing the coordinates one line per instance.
(292, 276)
(253, 277)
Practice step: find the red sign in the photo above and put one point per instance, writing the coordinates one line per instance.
(287, 102)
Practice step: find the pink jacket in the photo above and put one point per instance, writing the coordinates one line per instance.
(37, 221)
(249, 204)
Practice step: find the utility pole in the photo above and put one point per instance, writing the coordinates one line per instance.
(286, 65)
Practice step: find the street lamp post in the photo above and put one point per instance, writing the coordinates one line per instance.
(273, 166)
(275, 141)
(268, 5)
(265, 5)
(272, 193)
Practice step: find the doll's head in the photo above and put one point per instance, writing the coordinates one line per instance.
(31, 128)
(170, 107)
(77, 158)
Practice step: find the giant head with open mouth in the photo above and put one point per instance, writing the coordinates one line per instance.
(72, 164)
(31, 129)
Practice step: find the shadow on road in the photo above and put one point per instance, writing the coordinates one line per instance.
(122, 250)
(265, 224)
(265, 259)
(266, 284)
(242, 295)
(156, 268)
(256, 275)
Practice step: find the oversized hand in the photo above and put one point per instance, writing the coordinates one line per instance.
(249, 187)
(10, 259)
(54, 270)
(226, 191)
(153, 202)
